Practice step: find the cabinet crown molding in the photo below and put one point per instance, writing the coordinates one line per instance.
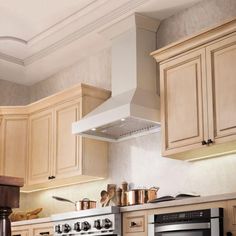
(197, 40)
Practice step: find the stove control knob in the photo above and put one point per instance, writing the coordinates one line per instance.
(106, 223)
(97, 224)
(77, 227)
(58, 229)
(85, 226)
(66, 228)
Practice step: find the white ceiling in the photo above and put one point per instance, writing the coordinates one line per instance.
(40, 37)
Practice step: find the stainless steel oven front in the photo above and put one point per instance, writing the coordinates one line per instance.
(207, 222)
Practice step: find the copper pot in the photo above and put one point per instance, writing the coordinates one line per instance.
(136, 196)
(79, 205)
(141, 196)
(152, 193)
(86, 204)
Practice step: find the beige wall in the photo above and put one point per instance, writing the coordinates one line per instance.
(138, 161)
(94, 70)
(12, 94)
(203, 15)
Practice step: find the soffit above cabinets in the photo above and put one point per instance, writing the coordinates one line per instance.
(39, 38)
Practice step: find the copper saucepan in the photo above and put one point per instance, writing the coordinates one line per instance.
(141, 196)
(79, 205)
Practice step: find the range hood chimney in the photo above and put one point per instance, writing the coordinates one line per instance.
(133, 109)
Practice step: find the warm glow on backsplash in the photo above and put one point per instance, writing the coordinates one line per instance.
(138, 161)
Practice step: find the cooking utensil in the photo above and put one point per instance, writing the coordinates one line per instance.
(152, 193)
(141, 196)
(136, 196)
(79, 205)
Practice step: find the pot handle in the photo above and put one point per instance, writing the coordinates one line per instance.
(85, 200)
(154, 188)
(63, 199)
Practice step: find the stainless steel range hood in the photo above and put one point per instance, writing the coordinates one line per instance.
(133, 109)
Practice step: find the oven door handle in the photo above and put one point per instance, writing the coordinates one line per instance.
(179, 227)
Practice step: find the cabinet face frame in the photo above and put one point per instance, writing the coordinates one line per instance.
(213, 52)
(196, 59)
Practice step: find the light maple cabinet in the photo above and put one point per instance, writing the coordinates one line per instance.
(135, 223)
(40, 147)
(197, 89)
(66, 144)
(56, 156)
(13, 143)
(36, 140)
(42, 229)
(221, 83)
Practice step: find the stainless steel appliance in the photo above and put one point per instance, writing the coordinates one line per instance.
(207, 222)
(95, 222)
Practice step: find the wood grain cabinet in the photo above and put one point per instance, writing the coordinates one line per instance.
(40, 147)
(197, 86)
(13, 143)
(42, 229)
(36, 140)
(56, 156)
(135, 223)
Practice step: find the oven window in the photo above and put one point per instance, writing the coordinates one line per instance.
(186, 233)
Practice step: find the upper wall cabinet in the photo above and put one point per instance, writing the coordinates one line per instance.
(37, 143)
(13, 145)
(197, 84)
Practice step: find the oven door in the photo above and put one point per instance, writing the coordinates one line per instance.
(183, 229)
(213, 227)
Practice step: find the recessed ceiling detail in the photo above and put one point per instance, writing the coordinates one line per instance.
(39, 38)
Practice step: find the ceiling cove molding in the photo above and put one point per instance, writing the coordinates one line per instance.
(15, 39)
(91, 6)
(95, 26)
(89, 28)
(11, 59)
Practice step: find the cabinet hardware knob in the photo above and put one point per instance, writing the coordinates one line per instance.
(209, 141)
(53, 177)
(49, 177)
(44, 233)
(133, 224)
(204, 142)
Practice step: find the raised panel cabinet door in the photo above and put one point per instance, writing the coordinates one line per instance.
(183, 102)
(67, 156)
(231, 216)
(221, 79)
(44, 229)
(40, 147)
(15, 146)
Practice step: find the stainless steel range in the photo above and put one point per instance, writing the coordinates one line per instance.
(100, 221)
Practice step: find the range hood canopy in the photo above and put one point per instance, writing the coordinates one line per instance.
(133, 110)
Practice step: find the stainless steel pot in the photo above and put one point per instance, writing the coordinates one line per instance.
(79, 205)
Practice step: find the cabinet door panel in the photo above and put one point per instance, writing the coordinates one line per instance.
(221, 61)
(40, 147)
(20, 233)
(67, 145)
(15, 145)
(183, 102)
